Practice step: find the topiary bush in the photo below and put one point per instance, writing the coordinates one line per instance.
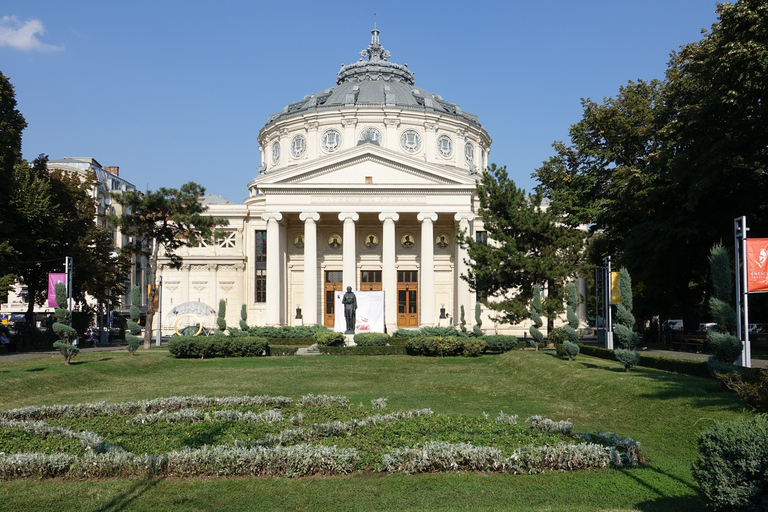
(445, 346)
(722, 340)
(61, 327)
(571, 349)
(732, 468)
(371, 339)
(243, 318)
(626, 338)
(221, 323)
(217, 346)
(330, 339)
(132, 336)
(537, 338)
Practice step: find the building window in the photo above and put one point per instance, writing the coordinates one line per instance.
(261, 266)
(481, 237)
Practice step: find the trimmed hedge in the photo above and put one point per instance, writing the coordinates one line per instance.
(330, 339)
(292, 342)
(297, 331)
(363, 351)
(371, 339)
(445, 346)
(217, 346)
(501, 343)
(282, 350)
(669, 364)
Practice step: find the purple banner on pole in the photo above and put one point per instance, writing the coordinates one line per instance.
(53, 279)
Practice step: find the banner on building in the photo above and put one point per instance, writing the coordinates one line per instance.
(53, 280)
(369, 315)
(615, 290)
(757, 264)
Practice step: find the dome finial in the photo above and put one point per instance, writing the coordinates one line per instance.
(375, 51)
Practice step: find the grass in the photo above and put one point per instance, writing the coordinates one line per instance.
(664, 411)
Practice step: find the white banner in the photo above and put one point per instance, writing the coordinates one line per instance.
(369, 314)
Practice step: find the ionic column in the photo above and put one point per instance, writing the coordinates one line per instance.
(427, 269)
(464, 296)
(310, 267)
(389, 270)
(349, 253)
(273, 267)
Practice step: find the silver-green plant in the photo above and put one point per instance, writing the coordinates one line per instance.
(134, 329)
(572, 329)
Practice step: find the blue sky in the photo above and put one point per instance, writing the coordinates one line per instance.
(175, 91)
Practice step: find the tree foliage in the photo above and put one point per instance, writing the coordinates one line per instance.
(727, 347)
(663, 168)
(167, 218)
(527, 245)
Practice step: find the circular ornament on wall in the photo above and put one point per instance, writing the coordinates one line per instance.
(442, 241)
(469, 153)
(371, 241)
(334, 241)
(298, 241)
(298, 146)
(410, 140)
(275, 151)
(370, 135)
(444, 146)
(407, 241)
(331, 141)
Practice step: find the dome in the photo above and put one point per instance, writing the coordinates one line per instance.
(374, 82)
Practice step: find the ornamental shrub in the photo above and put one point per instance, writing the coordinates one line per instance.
(445, 346)
(571, 349)
(501, 343)
(732, 468)
(722, 340)
(134, 329)
(476, 329)
(537, 338)
(371, 339)
(221, 323)
(626, 339)
(572, 329)
(244, 318)
(330, 339)
(217, 346)
(751, 384)
(61, 327)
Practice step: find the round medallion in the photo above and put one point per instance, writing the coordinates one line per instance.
(469, 153)
(275, 152)
(370, 135)
(298, 146)
(298, 241)
(334, 241)
(410, 140)
(331, 141)
(444, 146)
(442, 241)
(371, 241)
(407, 240)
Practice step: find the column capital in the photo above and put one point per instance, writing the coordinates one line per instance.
(305, 216)
(353, 216)
(460, 216)
(427, 216)
(272, 216)
(393, 216)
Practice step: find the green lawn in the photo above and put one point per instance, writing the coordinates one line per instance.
(664, 411)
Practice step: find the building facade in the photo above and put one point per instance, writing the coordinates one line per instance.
(366, 185)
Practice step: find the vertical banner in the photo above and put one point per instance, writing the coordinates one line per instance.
(615, 290)
(757, 264)
(369, 314)
(53, 280)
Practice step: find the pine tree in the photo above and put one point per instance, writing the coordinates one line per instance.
(535, 315)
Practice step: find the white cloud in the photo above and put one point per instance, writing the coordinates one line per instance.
(23, 36)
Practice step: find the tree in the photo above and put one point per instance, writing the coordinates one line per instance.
(167, 218)
(527, 244)
(722, 339)
(12, 124)
(662, 169)
(626, 338)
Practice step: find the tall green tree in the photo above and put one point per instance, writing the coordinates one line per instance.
(663, 168)
(167, 218)
(528, 244)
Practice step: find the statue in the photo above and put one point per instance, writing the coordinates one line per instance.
(350, 307)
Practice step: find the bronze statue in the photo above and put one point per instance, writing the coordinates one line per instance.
(350, 307)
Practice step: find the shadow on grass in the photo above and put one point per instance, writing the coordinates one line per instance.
(209, 436)
(35, 370)
(105, 359)
(664, 502)
(124, 499)
(73, 363)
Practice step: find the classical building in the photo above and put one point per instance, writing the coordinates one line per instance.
(364, 185)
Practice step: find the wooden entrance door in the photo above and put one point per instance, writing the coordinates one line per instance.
(370, 280)
(334, 280)
(407, 298)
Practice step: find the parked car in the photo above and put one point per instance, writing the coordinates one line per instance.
(707, 326)
(672, 325)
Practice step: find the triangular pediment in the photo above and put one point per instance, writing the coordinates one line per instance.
(365, 165)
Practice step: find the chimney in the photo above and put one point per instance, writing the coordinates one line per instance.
(112, 169)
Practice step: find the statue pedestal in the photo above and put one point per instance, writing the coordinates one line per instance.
(350, 340)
